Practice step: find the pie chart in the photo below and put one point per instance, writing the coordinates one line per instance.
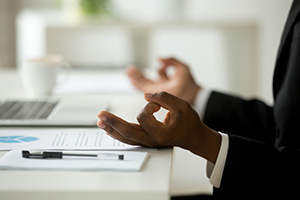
(17, 139)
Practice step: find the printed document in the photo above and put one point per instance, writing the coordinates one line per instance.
(60, 139)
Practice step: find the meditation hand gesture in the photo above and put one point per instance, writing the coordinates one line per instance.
(181, 127)
(181, 84)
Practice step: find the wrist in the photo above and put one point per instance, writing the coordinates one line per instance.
(193, 92)
(207, 144)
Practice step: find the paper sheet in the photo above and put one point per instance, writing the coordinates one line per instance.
(133, 161)
(60, 139)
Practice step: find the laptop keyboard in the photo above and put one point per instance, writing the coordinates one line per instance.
(22, 110)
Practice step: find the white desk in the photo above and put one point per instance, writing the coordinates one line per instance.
(152, 182)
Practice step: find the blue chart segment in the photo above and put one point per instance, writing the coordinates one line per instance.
(17, 139)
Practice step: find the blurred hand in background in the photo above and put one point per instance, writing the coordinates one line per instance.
(180, 84)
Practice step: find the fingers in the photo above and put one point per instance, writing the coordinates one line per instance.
(138, 79)
(162, 74)
(166, 100)
(147, 119)
(171, 62)
(114, 134)
(121, 130)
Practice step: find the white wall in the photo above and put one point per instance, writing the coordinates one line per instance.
(269, 15)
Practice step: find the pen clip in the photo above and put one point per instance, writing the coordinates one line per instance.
(25, 154)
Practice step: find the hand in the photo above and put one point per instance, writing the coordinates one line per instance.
(181, 84)
(181, 127)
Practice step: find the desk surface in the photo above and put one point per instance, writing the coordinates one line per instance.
(152, 182)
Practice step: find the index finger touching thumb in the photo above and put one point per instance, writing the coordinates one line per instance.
(164, 99)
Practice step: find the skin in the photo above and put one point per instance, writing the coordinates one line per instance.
(181, 127)
(181, 84)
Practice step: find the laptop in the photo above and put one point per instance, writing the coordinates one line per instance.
(49, 113)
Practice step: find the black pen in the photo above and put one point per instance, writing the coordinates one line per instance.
(59, 155)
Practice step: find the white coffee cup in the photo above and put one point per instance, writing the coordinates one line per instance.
(40, 75)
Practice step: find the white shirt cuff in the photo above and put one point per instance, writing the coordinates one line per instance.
(215, 172)
(201, 101)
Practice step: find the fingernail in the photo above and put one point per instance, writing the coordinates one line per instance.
(148, 95)
(103, 118)
(101, 124)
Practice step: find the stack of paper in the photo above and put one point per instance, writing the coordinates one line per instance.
(67, 140)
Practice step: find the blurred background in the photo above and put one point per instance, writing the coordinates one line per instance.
(230, 45)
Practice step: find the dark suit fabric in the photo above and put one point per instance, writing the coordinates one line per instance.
(264, 142)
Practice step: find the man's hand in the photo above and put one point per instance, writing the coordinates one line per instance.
(181, 84)
(181, 127)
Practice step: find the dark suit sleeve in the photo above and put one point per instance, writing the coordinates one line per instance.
(229, 114)
(253, 168)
